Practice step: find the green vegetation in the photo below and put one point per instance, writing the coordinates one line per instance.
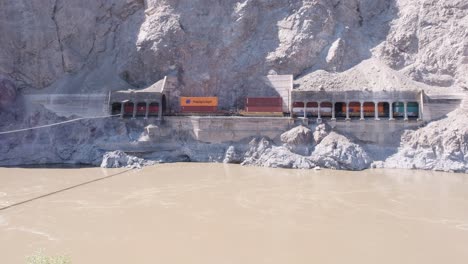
(40, 258)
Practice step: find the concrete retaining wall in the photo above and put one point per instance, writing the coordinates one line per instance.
(225, 129)
(383, 133)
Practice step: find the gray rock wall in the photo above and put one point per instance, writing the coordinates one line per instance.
(220, 47)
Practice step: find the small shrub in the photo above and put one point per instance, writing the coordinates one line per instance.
(40, 258)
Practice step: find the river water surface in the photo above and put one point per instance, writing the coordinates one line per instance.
(215, 213)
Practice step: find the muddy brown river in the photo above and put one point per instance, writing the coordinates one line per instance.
(215, 213)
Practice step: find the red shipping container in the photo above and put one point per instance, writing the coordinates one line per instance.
(199, 109)
(264, 101)
(264, 109)
(153, 109)
(141, 109)
(128, 108)
(298, 104)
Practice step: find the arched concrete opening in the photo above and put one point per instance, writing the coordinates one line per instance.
(128, 109)
(141, 109)
(354, 110)
(369, 109)
(298, 109)
(312, 109)
(153, 109)
(384, 110)
(116, 108)
(340, 110)
(398, 110)
(326, 109)
(413, 110)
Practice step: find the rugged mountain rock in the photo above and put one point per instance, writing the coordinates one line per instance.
(442, 145)
(7, 93)
(220, 47)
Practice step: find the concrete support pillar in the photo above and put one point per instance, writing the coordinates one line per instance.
(420, 112)
(122, 109)
(333, 112)
(319, 116)
(160, 109)
(376, 110)
(347, 111)
(305, 113)
(405, 107)
(134, 110)
(147, 110)
(390, 109)
(421, 106)
(362, 111)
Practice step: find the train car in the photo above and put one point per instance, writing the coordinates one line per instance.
(412, 109)
(263, 106)
(128, 109)
(354, 109)
(298, 109)
(368, 109)
(312, 109)
(326, 109)
(199, 105)
(141, 109)
(153, 109)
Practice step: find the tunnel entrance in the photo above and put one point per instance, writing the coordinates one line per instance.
(116, 108)
(340, 110)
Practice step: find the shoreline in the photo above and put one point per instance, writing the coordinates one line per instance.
(88, 166)
(264, 142)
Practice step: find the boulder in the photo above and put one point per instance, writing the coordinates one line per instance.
(262, 153)
(119, 159)
(321, 131)
(336, 151)
(298, 140)
(232, 156)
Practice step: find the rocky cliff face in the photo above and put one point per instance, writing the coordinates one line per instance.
(219, 47)
(442, 145)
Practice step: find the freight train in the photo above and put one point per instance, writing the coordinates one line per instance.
(153, 109)
(326, 109)
(312, 109)
(412, 110)
(273, 106)
(263, 106)
(254, 106)
(368, 110)
(200, 105)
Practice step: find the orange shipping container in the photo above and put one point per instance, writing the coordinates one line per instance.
(199, 101)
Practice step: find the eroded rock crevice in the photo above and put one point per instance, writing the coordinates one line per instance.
(57, 30)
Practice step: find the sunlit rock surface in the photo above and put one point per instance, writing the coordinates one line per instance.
(221, 48)
(441, 145)
(338, 152)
